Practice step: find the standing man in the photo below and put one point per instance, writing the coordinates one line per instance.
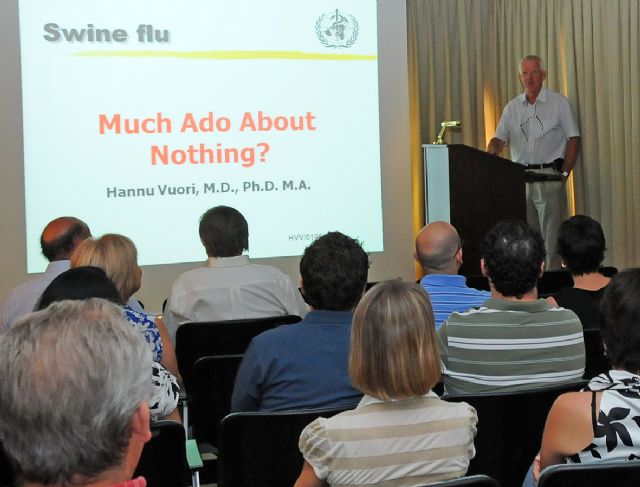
(543, 136)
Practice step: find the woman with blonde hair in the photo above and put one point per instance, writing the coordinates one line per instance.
(411, 433)
(118, 257)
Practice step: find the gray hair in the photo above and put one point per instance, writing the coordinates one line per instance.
(531, 57)
(73, 376)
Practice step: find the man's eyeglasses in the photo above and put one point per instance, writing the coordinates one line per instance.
(525, 123)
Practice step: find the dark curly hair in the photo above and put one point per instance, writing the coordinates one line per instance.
(619, 319)
(581, 244)
(224, 232)
(513, 253)
(334, 271)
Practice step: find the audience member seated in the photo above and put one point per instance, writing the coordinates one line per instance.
(438, 249)
(602, 423)
(230, 287)
(401, 433)
(59, 239)
(515, 341)
(118, 257)
(305, 365)
(581, 246)
(73, 396)
(81, 283)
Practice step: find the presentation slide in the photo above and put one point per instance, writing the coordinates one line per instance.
(139, 115)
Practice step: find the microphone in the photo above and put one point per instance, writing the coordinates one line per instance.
(444, 125)
(451, 123)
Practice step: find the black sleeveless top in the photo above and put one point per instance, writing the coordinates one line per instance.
(586, 304)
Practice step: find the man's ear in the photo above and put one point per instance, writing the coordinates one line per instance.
(541, 269)
(141, 422)
(483, 268)
(458, 257)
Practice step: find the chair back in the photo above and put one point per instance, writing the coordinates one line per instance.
(597, 474)
(208, 338)
(469, 481)
(260, 449)
(213, 380)
(596, 361)
(510, 429)
(163, 462)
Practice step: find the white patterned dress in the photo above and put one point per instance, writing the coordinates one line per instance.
(616, 429)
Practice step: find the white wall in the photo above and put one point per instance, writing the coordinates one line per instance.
(395, 261)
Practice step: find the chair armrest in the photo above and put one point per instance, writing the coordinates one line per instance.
(193, 455)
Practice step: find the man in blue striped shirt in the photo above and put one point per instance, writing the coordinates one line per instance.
(439, 251)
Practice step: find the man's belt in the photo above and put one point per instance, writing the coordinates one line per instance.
(536, 177)
(541, 166)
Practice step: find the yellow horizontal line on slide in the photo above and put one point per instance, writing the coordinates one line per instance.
(293, 55)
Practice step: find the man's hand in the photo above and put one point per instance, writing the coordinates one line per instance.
(495, 146)
(570, 156)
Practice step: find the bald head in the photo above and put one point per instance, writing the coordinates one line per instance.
(61, 236)
(437, 248)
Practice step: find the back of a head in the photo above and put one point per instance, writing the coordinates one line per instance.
(334, 271)
(620, 319)
(581, 244)
(116, 255)
(513, 254)
(79, 283)
(224, 232)
(393, 342)
(73, 376)
(61, 236)
(436, 247)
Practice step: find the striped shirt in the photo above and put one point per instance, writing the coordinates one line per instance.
(510, 346)
(449, 293)
(406, 443)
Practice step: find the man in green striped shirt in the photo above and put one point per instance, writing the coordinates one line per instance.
(516, 341)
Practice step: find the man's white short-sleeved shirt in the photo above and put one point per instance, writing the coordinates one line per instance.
(538, 133)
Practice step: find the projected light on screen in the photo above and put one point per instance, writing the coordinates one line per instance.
(140, 115)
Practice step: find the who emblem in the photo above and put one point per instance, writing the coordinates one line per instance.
(337, 29)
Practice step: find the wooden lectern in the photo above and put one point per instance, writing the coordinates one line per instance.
(472, 190)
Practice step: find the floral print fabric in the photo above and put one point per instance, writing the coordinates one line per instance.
(146, 324)
(617, 431)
